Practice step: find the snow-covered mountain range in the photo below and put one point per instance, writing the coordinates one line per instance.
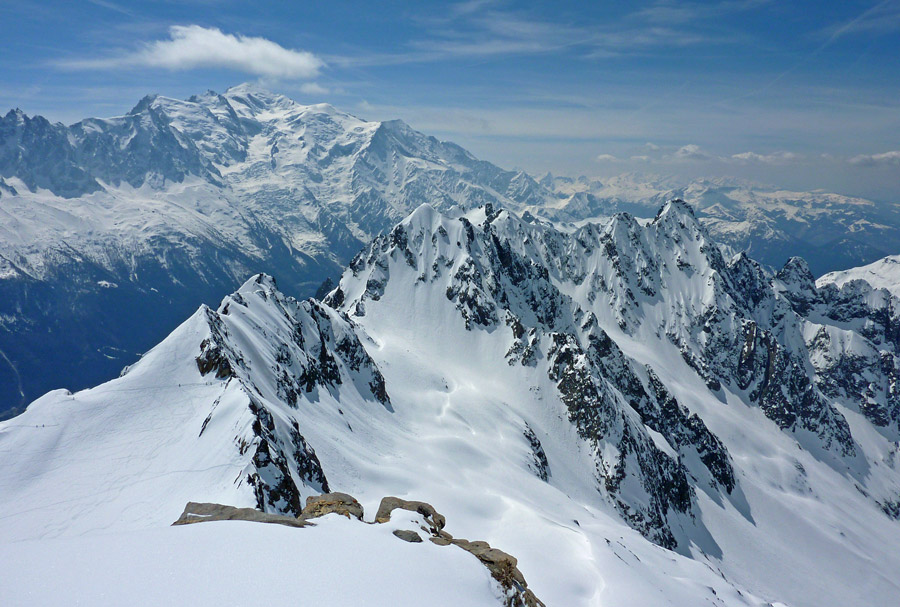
(831, 231)
(639, 418)
(113, 230)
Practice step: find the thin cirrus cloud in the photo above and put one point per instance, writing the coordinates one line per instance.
(193, 46)
(773, 158)
(313, 88)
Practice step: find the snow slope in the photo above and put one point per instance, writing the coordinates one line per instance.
(636, 419)
(882, 274)
(337, 562)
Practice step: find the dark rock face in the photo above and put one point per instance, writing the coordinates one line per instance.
(855, 350)
(657, 408)
(41, 155)
(215, 353)
(316, 351)
(539, 464)
(68, 161)
(778, 384)
(407, 536)
(272, 482)
(597, 412)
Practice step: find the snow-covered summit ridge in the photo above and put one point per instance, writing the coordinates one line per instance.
(881, 274)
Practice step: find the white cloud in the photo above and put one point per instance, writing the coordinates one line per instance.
(193, 46)
(871, 160)
(691, 152)
(773, 158)
(607, 158)
(313, 88)
(640, 158)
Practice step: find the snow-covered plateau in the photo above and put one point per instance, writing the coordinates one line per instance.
(637, 417)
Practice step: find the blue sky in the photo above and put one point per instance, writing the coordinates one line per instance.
(800, 94)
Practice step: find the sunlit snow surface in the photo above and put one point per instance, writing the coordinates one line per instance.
(338, 562)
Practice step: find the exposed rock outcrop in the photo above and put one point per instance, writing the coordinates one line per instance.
(338, 503)
(195, 512)
(388, 504)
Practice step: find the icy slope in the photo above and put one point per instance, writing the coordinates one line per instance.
(268, 400)
(882, 274)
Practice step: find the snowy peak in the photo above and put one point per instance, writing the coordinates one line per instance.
(219, 405)
(678, 208)
(254, 100)
(881, 274)
(185, 198)
(772, 224)
(143, 105)
(731, 323)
